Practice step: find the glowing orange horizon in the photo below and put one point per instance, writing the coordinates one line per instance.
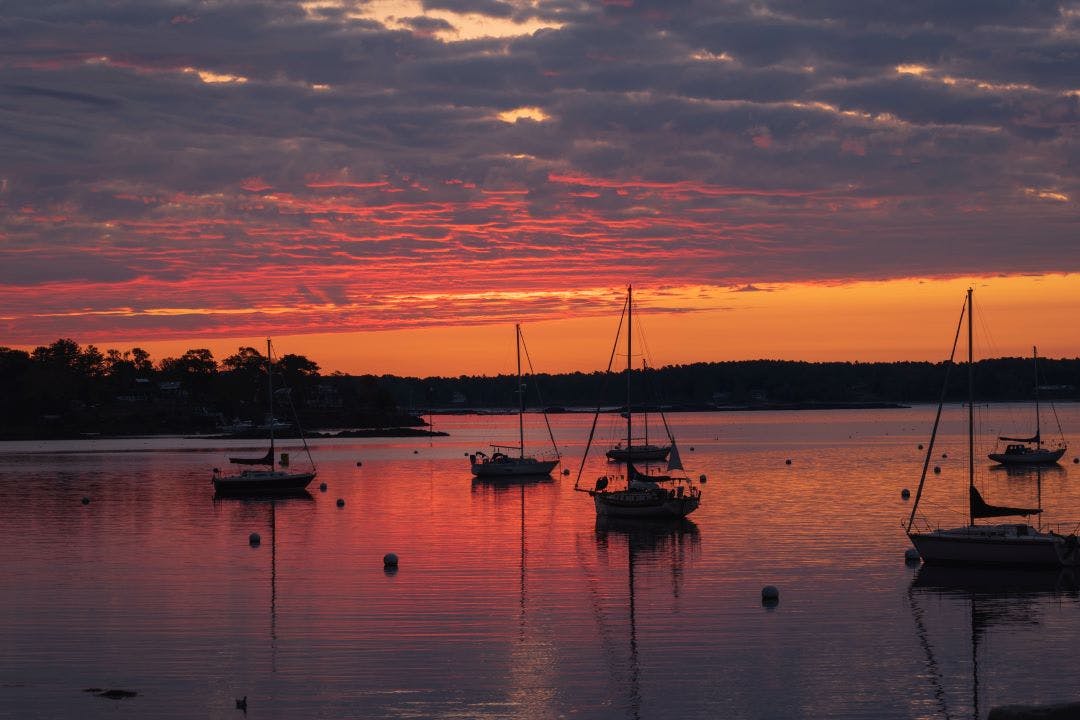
(862, 321)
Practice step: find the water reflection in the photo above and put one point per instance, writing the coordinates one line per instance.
(271, 501)
(994, 598)
(649, 544)
(1032, 472)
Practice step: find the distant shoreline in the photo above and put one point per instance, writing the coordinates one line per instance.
(755, 407)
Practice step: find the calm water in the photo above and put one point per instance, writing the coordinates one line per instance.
(510, 601)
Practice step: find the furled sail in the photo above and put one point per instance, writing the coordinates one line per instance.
(1034, 439)
(980, 509)
(267, 459)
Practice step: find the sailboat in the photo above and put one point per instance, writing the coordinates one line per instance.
(274, 475)
(1030, 450)
(1018, 544)
(502, 462)
(644, 496)
(643, 452)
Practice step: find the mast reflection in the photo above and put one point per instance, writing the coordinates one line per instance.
(996, 597)
(648, 544)
(271, 501)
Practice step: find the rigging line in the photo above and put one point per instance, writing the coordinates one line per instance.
(659, 401)
(539, 398)
(937, 417)
(1050, 402)
(607, 376)
(292, 409)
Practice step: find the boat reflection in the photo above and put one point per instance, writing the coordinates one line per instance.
(272, 501)
(499, 484)
(995, 597)
(263, 497)
(1033, 472)
(649, 545)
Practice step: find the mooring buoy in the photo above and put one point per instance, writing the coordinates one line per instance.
(905, 493)
(254, 539)
(341, 502)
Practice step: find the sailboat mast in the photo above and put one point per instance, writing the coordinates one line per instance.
(645, 408)
(270, 401)
(1038, 430)
(971, 417)
(629, 370)
(521, 394)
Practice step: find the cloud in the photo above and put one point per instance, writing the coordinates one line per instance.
(238, 164)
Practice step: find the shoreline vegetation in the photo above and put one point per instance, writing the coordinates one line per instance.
(64, 390)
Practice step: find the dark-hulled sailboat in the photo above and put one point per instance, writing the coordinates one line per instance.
(1016, 544)
(272, 477)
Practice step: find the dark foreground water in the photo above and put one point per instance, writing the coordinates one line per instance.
(510, 600)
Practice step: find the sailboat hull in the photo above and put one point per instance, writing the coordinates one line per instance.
(261, 481)
(656, 504)
(1028, 457)
(641, 453)
(1003, 545)
(513, 467)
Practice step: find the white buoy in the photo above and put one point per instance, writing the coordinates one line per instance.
(937, 469)
(85, 500)
(911, 555)
(389, 560)
(341, 502)
(322, 487)
(254, 539)
(905, 493)
(770, 594)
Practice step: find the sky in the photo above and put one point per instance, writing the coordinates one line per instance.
(389, 186)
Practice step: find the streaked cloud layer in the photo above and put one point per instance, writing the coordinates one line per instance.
(226, 168)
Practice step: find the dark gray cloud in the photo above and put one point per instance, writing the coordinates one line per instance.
(153, 147)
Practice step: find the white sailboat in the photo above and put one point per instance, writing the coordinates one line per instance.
(1031, 450)
(502, 462)
(274, 476)
(1017, 544)
(642, 496)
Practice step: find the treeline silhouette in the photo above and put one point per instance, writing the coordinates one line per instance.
(64, 389)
